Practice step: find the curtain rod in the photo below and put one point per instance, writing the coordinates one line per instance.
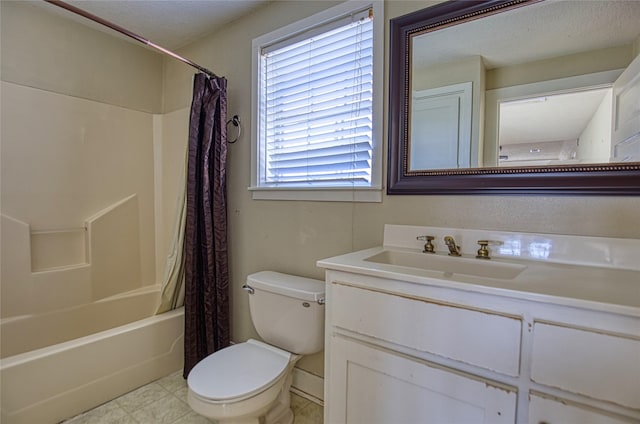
(128, 33)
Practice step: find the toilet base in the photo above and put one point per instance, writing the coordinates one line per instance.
(281, 412)
(278, 412)
(286, 417)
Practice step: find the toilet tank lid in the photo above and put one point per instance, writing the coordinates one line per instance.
(287, 285)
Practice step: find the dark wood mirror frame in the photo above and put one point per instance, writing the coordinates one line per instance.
(599, 179)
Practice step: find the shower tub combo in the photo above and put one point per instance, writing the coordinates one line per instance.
(48, 375)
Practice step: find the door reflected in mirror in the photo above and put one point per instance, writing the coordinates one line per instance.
(441, 128)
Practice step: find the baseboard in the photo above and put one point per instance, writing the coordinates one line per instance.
(308, 386)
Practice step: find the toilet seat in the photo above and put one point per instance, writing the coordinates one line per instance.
(238, 371)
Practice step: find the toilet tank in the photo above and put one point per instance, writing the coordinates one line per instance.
(288, 311)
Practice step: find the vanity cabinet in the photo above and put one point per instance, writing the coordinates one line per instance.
(405, 353)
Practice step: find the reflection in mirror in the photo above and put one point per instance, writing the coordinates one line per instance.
(559, 129)
(515, 87)
(446, 130)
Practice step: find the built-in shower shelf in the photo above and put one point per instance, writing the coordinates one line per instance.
(71, 263)
(56, 249)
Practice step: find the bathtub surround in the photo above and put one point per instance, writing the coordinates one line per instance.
(205, 245)
(77, 151)
(78, 231)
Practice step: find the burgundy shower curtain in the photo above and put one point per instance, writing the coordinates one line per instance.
(205, 246)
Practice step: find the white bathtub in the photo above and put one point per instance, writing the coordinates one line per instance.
(50, 384)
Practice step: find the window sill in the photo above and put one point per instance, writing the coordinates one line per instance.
(373, 195)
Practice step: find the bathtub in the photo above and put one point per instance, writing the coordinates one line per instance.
(73, 361)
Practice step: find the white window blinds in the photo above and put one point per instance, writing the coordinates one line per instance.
(316, 107)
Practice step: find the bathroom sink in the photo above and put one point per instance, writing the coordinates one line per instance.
(448, 264)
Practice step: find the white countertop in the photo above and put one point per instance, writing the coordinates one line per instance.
(604, 282)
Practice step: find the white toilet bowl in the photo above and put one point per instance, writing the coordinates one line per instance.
(249, 379)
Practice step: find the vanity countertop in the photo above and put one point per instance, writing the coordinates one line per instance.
(591, 275)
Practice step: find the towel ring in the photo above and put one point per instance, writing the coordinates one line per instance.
(236, 123)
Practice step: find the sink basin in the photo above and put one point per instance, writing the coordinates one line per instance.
(448, 264)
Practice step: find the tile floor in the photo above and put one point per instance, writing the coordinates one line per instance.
(165, 402)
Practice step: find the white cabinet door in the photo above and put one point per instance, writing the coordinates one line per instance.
(548, 411)
(374, 386)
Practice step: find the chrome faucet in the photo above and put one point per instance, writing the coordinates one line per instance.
(454, 249)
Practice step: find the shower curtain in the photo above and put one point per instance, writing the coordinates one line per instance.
(172, 295)
(205, 246)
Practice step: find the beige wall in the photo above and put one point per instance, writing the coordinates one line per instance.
(561, 67)
(291, 236)
(43, 48)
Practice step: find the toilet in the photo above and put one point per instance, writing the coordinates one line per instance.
(249, 382)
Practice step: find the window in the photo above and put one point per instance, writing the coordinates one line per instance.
(317, 108)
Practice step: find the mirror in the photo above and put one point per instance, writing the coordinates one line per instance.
(515, 97)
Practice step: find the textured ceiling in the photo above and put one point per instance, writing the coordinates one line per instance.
(168, 23)
(539, 31)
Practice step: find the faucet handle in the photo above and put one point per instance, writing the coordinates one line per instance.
(483, 252)
(428, 246)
